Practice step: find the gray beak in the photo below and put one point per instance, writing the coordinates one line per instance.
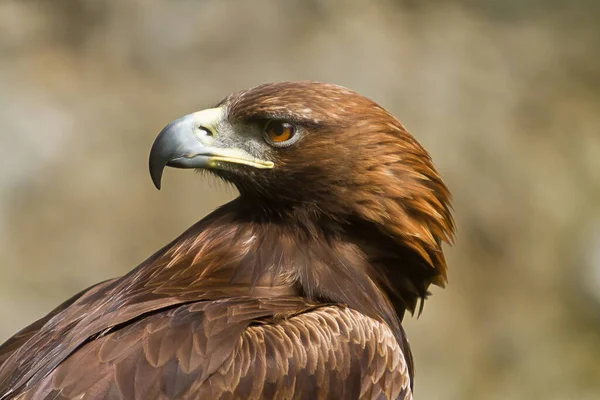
(193, 141)
(177, 146)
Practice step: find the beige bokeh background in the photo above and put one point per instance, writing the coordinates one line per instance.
(504, 93)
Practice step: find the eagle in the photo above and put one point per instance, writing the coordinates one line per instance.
(296, 289)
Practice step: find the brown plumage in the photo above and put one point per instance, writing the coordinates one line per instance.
(296, 289)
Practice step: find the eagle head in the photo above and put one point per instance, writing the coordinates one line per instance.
(303, 151)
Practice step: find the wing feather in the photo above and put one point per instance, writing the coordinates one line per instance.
(283, 348)
(19, 339)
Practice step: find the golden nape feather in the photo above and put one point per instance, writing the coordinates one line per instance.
(296, 289)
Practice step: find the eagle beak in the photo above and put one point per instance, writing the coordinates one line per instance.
(192, 142)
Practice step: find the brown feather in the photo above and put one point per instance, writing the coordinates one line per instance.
(279, 359)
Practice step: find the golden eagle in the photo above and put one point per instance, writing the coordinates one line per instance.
(294, 290)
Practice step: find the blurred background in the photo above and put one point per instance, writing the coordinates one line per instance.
(505, 94)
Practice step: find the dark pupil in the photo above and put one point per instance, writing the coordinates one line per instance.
(279, 129)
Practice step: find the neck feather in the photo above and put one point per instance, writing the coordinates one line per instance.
(316, 258)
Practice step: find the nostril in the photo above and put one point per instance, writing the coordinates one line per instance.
(205, 131)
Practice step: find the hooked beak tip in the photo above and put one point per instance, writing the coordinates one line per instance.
(156, 172)
(171, 142)
(156, 184)
(156, 165)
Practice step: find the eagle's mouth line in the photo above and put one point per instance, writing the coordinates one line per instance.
(212, 159)
(256, 163)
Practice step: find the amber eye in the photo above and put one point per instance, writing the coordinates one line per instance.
(279, 132)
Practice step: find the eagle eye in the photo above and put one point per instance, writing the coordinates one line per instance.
(278, 133)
